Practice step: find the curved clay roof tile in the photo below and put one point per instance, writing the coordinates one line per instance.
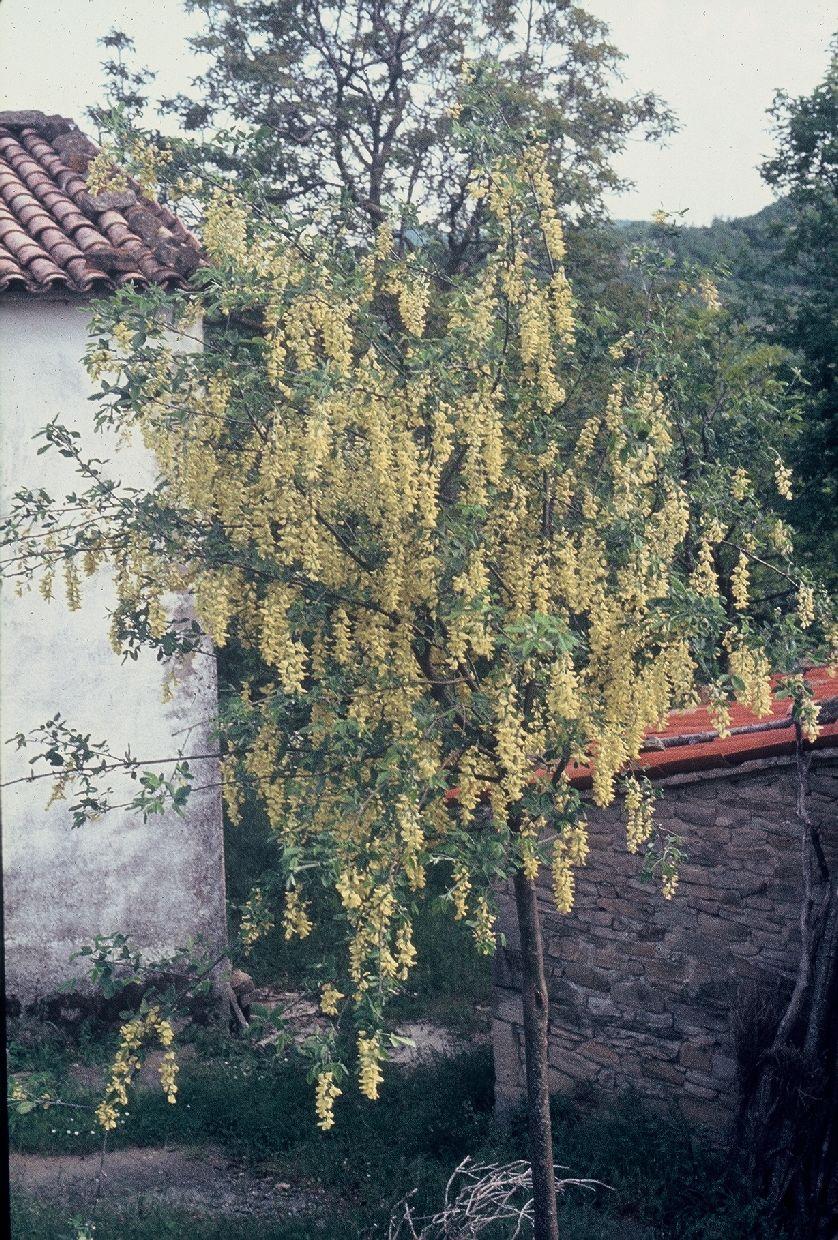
(54, 233)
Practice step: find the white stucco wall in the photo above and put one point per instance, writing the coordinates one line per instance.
(161, 882)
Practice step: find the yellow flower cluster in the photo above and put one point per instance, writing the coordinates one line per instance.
(71, 586)
(278, 647)
(781, 539)
(45, 585)
(414, 296)
(295, 920)
(18, 1093)
(460, 892)
(329, 1000)
(405, 953)
(750, 665)
(669, 884)
(158, 620)
(538, 314)
(483, 927)
(639, 812)
(740, 581)
(224, 233)
(231, 791)
(535, 166)
(719, 711)
(704, 580)
(561, 299)
(805, 605)
(510, 735)
(214, 594)
(809, 713)
(740, 483)
(782, 479)
(103, 173)
(563, 691)
(369, 1065)
(324, 1104)
(257, 920)
(341, 637)
(168, 1075)
(570, 849)
(132, 1037)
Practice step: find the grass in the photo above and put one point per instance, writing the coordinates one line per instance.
(39, 1221)
(665, 1184)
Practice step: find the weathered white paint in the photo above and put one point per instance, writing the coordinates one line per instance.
(161, 882)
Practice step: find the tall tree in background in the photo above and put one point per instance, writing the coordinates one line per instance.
(805, 168)
(323, 98)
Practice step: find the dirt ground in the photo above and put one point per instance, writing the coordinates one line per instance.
(203, 1183)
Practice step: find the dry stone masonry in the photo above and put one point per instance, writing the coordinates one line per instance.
(647, 993)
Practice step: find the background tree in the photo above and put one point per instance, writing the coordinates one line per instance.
(776, 271)
(805, 168)
(322, 98)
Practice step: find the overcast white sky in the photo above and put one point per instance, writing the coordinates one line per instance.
(717, 64)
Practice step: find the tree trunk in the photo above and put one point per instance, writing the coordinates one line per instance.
(536, 1014)
(788, 1118)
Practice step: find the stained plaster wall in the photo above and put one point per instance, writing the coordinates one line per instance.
(160, 881)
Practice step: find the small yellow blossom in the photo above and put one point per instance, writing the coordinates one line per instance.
(295, 919)
(782, 479)
(460, 892)
(740, 483)
(369, 1065)
(329, 999)
(257, 920)
(639, 813)
(326, 1094)
(805, 605)
(483, 927)
(740, 582)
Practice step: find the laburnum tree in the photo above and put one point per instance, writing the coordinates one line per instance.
(461, 537)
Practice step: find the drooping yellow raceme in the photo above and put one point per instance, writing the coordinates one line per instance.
(133, 1035)
(326, 1094)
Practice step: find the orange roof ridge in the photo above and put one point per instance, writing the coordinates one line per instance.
(690, 741)
(56, 235)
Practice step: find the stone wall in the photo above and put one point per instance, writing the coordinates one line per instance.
(647, 993)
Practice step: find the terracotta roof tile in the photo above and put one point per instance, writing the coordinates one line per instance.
(55, 234)
(692, 745)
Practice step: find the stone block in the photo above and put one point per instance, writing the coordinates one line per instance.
(601, 1052)
(585, 975)
(660, 1070)
(725, 1068)
(699, 1058)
